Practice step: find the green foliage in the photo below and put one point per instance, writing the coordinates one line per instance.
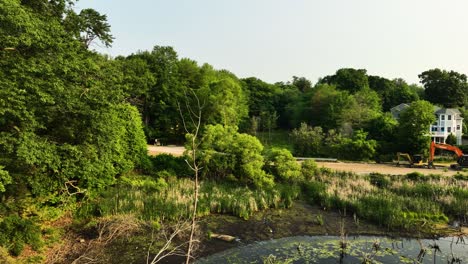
(451, 139)
(357, 148)
(393, 92)
(379, 180)
(5, 179)
(348, 79)
(151, 199)
(225, 153)
(326, 106)
(175, 165)
(281, 164)
(447, 88)
(413, 127)
(396, 202)
(307, 141)
(309, 169)
(233, 109)
(17, 231)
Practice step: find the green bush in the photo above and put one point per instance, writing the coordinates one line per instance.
(16, 232)
(315, 192)
(307, 141)
(357, 147)
(309, 169)
(379, 180)
(227, 154)
(416, 176)
(171, 164)
(282, 165)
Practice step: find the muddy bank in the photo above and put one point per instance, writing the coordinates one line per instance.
(301, 219)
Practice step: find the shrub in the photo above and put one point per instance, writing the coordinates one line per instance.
(282, 165)
(379, 180)
(225, 153)
(309, 169)
(357, 147)
(307, 141)
(17, 231)
(315, 192)
(416, 176)
(171, 164)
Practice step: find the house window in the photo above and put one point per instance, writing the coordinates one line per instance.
(442, 117)
(458, 127)
(442, 129)
(434, 129)
(449, 117)
(449, 129)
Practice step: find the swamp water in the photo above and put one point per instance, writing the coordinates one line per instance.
(359, 249)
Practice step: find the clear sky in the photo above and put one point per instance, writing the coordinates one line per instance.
(277, 39)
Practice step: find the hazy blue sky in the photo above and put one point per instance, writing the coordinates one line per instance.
(276, 39)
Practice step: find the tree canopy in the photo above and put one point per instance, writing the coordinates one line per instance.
(447, 88)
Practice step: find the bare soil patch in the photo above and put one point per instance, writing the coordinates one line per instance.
(366, 168)
(171, 149)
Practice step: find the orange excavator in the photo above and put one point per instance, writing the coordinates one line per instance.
(462, 161)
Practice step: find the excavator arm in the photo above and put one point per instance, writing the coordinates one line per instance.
(448, 147)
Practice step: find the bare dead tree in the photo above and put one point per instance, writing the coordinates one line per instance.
(169, 234)
(195, 117)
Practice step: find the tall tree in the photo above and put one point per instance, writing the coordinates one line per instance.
(66, 130)
(302, 83)
(392, 92)
(348, 79)
(413, 128)
(447, 88)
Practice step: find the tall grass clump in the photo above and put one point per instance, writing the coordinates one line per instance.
(407, 201)
(160, 199)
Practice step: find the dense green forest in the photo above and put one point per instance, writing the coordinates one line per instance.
(73, 122)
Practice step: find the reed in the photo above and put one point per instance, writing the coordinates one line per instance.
(151, 199)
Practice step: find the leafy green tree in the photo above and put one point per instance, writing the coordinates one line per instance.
(289, 99)
(88, 26)
(447, 88)
(282, 164)
(451, 139)
(226, 89)
(384, 129)
(307, 141)
(357, 148)
(393, 92)
(262, 96)
(348, 79)
(66, 130)
(413, 128)
(325, 106)
(363, 106)
(227, 154)
(302, 83)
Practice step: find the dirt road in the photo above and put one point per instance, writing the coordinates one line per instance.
(366, 168)
(360, 168)
(171, 149)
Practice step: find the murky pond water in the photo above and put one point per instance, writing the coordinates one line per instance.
(332, 249)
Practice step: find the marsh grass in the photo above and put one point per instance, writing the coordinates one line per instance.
(407, 201)
(397, 202)
(158, 199)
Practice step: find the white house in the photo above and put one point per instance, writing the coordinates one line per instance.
(448, 121)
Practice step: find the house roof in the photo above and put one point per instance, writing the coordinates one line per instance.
(437, 110)
(397, 109)
(447, 111)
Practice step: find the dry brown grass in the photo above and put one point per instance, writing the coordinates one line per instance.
(76, 249)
